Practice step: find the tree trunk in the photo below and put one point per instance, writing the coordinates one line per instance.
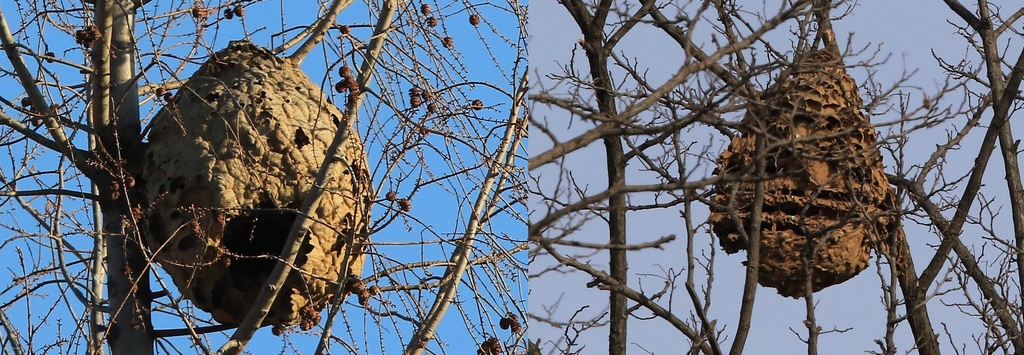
(130, 326)
(117, 125)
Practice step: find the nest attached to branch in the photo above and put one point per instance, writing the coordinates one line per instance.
(827, 200)
(230, 160)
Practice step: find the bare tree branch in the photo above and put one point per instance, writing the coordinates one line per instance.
(319, 29)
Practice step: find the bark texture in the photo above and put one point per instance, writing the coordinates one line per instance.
(825, 182)
(230, 158)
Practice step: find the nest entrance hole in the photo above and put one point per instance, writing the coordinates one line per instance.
(254, 240)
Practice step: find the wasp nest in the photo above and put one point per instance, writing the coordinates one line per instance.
(824, 183)
(230, 160)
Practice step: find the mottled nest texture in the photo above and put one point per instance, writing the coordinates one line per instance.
(230, 159)
(826, 182)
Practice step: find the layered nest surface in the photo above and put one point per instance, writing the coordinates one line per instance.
(824, 181)
(230, 159)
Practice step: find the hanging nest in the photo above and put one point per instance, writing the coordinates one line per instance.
(827, 184)
(230, 160)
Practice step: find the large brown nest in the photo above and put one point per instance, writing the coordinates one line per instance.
(824, 181)
(230, 159)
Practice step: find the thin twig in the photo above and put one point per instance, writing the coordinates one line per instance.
(60, 141)
(460, 257)
(13, 336)
(319, 29)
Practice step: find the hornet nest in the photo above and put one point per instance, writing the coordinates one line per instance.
(826, 196)
(229, 162)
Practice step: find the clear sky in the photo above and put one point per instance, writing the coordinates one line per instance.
(907, 32)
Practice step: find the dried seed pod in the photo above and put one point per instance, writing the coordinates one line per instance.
(160, 91)
(477, 105)
(490, 346)
(514, 322)
(87, 35)
(345, 30)
(404, 204)
(511, 323)
(228, 14)
(448, 42)
(357, 287)
(50, 57)
(168, 97)
(353, 86)
(391, 196)
(200, 12)
(414, 97)
(113, 190)
(425, 9)
(431, 22)
(432, 107)
(309, 317)
(239, 10)
(474, 20)
(26, 102)
(349, 80)
(341, 86)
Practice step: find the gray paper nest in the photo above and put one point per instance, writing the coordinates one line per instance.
(229, 162)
